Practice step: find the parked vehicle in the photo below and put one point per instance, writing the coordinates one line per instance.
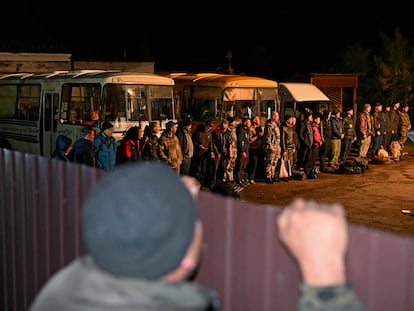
(295, 97)
(36, 107)
(214, 97)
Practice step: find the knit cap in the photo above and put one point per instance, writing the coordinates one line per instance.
(106, 125)
(138, 220)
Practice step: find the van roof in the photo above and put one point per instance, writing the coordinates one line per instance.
(300, 92)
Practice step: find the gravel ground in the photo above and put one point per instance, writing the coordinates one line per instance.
(374, 198)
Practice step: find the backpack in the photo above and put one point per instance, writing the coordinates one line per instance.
(351, 168)
(314, 173)
(299, 174)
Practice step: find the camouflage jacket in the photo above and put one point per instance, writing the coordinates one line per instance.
(338, 298)
(170, 150)
(405, 123)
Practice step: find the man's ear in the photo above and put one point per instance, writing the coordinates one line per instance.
(190, 261)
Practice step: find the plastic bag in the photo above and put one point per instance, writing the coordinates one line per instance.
(285, 168)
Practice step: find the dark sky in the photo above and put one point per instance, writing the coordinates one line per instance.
(267, 38)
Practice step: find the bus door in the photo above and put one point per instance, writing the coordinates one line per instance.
(267, 102)
(48, 123)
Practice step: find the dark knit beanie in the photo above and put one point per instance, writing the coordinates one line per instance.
(138, 220)
(106, 125)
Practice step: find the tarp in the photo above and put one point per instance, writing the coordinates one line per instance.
(300, 92)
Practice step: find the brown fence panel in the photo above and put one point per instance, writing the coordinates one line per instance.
(245, 262)
(242, 257)
(39, 221)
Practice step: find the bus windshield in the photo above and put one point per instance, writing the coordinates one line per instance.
(137, 102)
(239, 102)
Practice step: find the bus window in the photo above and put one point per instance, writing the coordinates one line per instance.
(138, 103)
(239, 109)
(161, 102)
(8, 94)
(267, 103)
(136, 109)
(81, 103)
(28, 102)
(200, 102)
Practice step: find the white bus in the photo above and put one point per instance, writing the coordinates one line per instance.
(36, 107)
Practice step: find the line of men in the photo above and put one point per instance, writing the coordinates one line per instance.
(247, 152)
(386, 127)
(93, 149)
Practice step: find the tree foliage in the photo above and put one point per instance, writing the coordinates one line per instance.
(386, 75)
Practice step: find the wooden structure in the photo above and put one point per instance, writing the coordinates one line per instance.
(339, 87)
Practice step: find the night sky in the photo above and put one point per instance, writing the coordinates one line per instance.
(269, 39)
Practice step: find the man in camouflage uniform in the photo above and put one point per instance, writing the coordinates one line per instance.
(405, 126)
(170, 148)
(272, 147)
(288, 139)
(229, 176)
(150, 148)
(349, 134)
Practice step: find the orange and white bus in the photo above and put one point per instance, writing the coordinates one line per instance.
(214, 97)
(36, 107)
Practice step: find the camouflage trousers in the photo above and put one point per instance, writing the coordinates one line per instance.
(231, 164)
(271, 161)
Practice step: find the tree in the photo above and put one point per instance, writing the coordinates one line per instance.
(395, 69)
(361, 60)
(386, 76)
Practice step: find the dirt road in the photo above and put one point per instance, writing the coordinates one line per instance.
(374, 198)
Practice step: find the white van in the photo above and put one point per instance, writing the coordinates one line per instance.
(296, 97)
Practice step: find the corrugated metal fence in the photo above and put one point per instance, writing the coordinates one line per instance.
(243, 258)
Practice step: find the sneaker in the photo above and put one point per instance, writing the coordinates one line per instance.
(252, 181)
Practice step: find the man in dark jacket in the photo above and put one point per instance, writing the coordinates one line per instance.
(242, 160)
(83, 149)
(337, 136)
(204, 154)
(63, 148)
(305, 134)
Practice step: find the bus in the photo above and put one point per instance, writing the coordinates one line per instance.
(214, 97)
(37, 107)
